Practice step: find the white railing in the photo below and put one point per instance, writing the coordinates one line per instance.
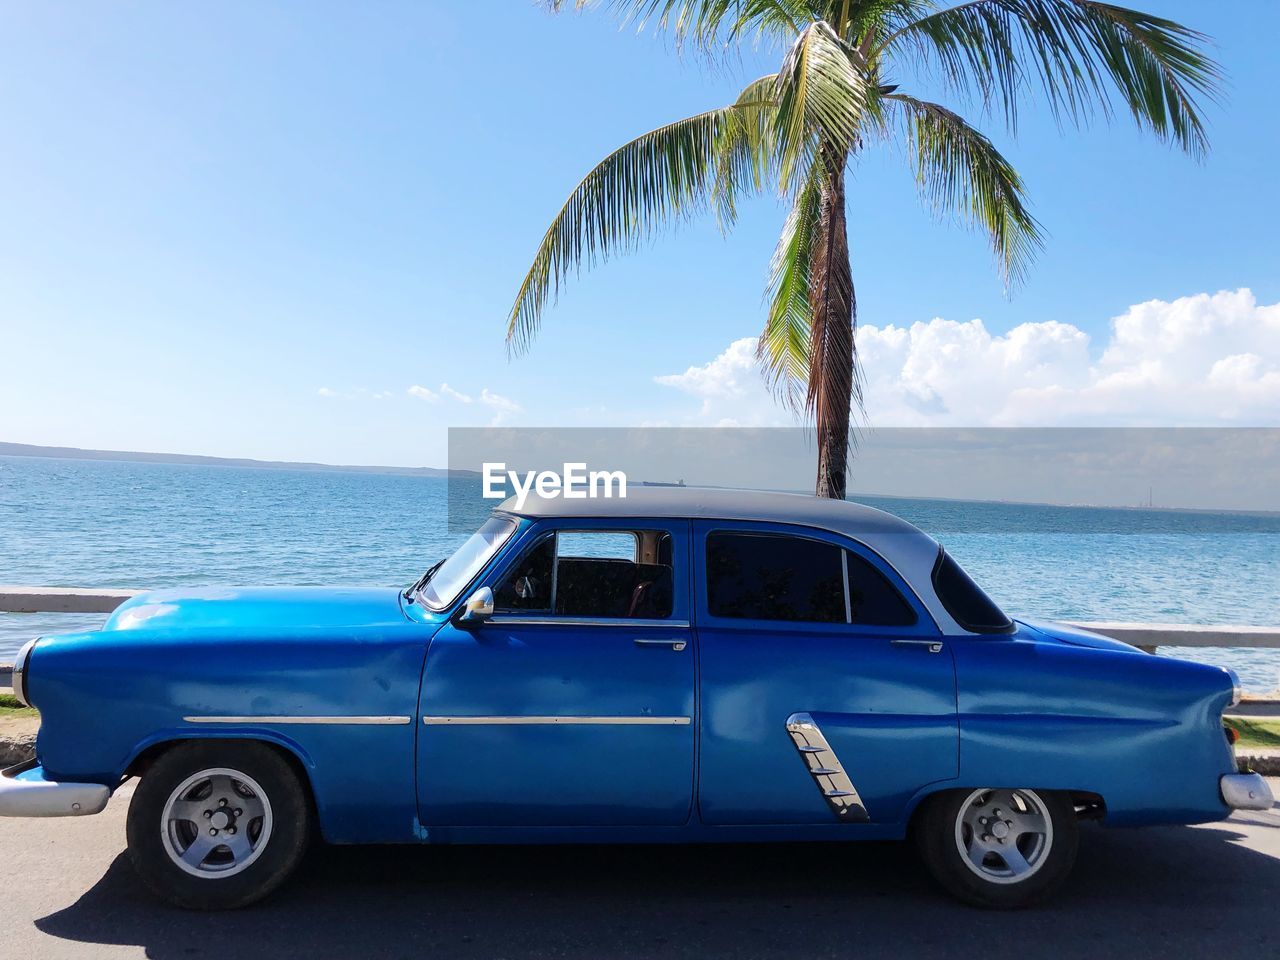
(1148, 636)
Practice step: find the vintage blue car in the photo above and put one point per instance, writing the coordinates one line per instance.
(677, 666)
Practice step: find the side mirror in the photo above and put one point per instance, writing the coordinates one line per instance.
(478, 608)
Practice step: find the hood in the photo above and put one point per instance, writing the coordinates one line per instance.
(1074, 636)
(236, 609)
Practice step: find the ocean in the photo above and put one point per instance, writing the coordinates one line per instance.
(94, 523)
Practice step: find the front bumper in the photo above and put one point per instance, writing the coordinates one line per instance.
(25, 792)
(1246, 791)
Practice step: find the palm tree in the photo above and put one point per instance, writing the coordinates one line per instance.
(832, 98)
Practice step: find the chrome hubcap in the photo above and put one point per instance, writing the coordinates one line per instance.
(1004, 836)
(216, 823)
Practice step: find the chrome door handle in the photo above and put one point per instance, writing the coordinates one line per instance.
(933, 646)
(676, 645)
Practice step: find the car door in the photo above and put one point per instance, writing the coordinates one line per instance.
(820, 703)
(573, 705)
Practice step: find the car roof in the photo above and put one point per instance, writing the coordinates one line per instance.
(711, 503)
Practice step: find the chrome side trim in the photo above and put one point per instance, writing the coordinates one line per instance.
(19, 679)
(1246, 791)
(343, 721)
(500, 620)
(824, 766)
(588, 721)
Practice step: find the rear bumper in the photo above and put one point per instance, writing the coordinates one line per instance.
(25, 792)
(1246, 791)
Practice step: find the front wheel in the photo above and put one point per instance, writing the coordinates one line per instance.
(997, 847)
(218, 824)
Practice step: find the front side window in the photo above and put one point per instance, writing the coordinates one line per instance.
(769, 576)
(468, 560)
(595, 574)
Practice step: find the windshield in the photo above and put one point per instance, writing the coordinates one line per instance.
(468, 560)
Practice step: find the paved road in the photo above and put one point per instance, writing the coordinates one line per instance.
(1210, 891)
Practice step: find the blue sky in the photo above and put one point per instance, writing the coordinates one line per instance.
(249, 229)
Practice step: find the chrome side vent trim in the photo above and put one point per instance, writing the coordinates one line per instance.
(825, 768)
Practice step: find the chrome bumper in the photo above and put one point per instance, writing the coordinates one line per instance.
(24, 792)
(1246, 791)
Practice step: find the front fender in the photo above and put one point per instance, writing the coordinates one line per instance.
(107, 698)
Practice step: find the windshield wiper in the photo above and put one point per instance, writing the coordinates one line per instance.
(422, 580)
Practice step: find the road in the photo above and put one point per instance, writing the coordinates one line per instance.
(1208, 891)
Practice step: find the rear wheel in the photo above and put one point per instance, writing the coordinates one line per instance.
(218, 824)
(998, 847)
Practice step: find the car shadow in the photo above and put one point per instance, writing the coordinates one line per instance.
(1133, 893)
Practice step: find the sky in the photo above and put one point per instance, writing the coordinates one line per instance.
(294, 231)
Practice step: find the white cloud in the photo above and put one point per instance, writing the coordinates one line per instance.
(359, 393)
(1199, 360)
(448, 391)
(503, 407)
(731, 389)
(731, 374)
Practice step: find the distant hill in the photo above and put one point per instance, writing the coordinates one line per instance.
(133, 456)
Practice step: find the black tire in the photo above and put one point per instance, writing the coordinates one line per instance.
(935, 828)
(219, 886)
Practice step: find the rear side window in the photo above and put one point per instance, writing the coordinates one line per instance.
(779, 577)
(964, 599)
(873, 601)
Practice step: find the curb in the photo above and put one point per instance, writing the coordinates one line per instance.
(15, 750)
(1267, 764)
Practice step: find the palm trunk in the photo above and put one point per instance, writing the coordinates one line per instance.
(832, 385)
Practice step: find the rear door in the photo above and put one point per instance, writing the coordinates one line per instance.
(574, 704)
(821, 702)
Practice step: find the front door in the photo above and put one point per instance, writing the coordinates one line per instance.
(828, 693)
(574, 704)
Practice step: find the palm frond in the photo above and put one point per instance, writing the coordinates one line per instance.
(862, 21)
(784, 344)
(821, 99)
(706, 23)
(961, 172)
(1083, 53)
(662, 176)
(746, 148)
